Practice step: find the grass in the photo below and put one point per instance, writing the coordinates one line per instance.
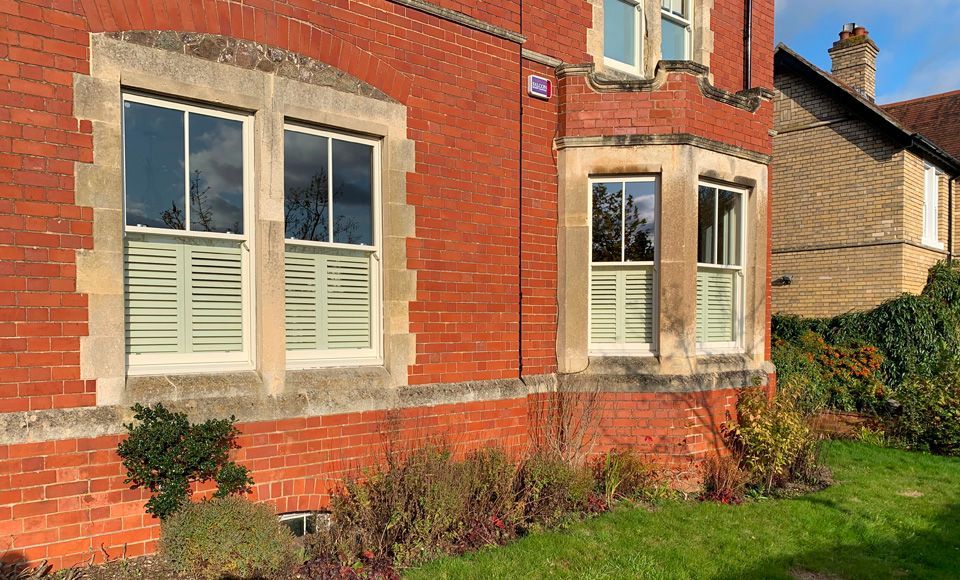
(889, 514)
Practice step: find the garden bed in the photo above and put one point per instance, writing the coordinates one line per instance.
(889, 513)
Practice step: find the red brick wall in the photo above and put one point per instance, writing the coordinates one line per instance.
(539, 230)
(65, 501)
(678, 107)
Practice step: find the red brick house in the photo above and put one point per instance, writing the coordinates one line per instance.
(342, 221)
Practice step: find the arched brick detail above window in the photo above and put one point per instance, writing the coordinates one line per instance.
(302, 34)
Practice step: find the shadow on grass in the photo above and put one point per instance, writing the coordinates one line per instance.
(934, 553)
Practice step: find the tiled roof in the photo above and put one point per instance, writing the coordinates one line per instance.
(913, 138)
(936, 117)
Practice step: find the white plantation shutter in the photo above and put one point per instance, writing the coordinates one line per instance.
(153, 293)
(183, 296)
(328, 299)
(216, 298)
(621, 305)
(716, 305)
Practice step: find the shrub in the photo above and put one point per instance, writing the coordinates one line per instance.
(917, 335)
(228, 537)
(165, 453)
(622, 474)
(422, 505)
(928, 417)
(724, 481)
(943, 284)
(551, 491)
(772, 440)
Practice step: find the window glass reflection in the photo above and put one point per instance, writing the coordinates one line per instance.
(306, 195)
(706, 224)
(639, 224)
(728, 228)
(154, 166)
(352, 193)
(216, 174)
(607, 221)
(674, 40)
(619, 31)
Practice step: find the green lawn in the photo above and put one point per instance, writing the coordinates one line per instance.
(889, 514)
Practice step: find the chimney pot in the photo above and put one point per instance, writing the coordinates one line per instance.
(860, 31)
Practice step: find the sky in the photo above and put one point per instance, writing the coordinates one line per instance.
(918, 40)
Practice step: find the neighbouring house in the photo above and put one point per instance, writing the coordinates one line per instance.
(345, 222)
(865, 193)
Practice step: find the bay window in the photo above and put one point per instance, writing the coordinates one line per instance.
(332, 266)
(186, 242)
(622, 272)
(720, 243)
(623, 35)
(676, 29)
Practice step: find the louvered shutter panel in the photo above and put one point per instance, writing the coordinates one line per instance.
(604, 311)
(302, 290)
(621, 305)
(638, 306)
(716, 294)
(328, 299)
(153, 297)
(348, 301)
(215, 297)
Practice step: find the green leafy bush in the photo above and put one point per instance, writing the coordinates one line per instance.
(551, 491)
(165, 453)
(943, 284)
(228, 537)
(623, 474)
(917, 335)
(928, 417)
(772, 440)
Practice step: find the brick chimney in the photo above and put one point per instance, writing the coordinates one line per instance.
(855, 60)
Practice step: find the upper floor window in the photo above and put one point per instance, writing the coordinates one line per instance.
(332, 265)
(676, 29)
(931, 206)
(622, 272)
(622, 35)
(720, 243)
(186, 252)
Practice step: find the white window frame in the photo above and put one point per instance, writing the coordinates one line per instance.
(638, 25)
(739, 323)
(637, 349)
(931, 207)
(187, 363)
(684, 18)
(373, 356)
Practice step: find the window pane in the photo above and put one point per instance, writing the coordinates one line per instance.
(153, 166)
(728, 224)
(352, 193)
(706, 224)
(619, 31)
(640, 221)
(674, 40)
(305, 201)
(607, 221)
(216, 174)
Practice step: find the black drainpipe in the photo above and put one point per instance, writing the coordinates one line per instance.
(950, 218)
(748, 46)
(522, 91)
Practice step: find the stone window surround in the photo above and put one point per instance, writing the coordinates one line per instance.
(272, 100)
(680, 168)
(652, 50)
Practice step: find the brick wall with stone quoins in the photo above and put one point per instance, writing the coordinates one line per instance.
(483, 251)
